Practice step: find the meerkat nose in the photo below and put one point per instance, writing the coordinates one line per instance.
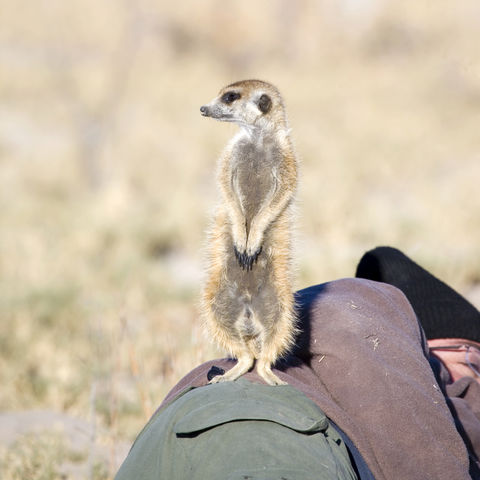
(204, 110)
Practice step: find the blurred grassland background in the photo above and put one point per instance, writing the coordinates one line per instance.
(107, 183)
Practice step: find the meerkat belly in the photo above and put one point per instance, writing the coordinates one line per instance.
(247, 303)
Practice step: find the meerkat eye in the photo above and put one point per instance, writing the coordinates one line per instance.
(230, 97)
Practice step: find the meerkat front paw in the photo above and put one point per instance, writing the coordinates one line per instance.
(255, 239)
(239, 242)
(246, 261)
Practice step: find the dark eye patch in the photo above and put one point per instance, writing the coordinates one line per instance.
(230, 97)
(265, 103)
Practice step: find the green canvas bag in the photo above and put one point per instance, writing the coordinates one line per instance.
(239, 431)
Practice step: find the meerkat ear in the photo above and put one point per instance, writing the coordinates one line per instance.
(264, 103)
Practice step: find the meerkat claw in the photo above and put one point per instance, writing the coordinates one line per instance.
(244, 260)
(240, 257)
(254, 258)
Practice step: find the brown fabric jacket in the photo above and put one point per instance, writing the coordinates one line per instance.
(362, 357)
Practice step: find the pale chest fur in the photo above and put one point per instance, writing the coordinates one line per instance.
(254, 173)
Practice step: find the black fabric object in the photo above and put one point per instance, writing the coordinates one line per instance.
(442, 312)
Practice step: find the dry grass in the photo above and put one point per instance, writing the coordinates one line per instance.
(106, 172)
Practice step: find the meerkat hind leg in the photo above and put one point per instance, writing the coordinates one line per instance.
(244, 364)
(264, 369)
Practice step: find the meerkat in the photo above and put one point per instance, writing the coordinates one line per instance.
(247, 299)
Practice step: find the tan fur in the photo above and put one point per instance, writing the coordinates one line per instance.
(247, 298)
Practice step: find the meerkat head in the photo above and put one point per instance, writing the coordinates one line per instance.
(249, 103)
